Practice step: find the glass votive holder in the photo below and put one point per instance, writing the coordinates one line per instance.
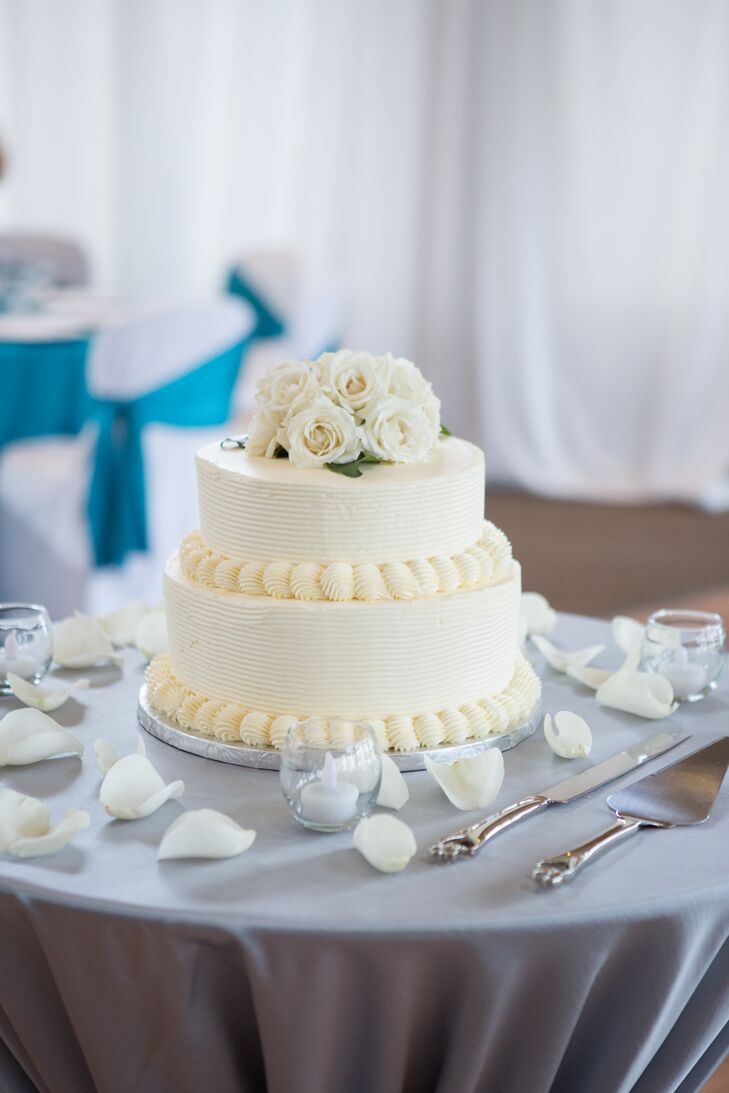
(26, 642)
(330, 773)
(688, 648)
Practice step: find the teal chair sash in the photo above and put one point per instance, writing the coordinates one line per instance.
(42, 389)
(117, 505)
(268, 323)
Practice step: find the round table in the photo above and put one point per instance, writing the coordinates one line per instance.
(297, 968)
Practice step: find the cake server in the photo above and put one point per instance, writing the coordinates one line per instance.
(468, 840)
(679, 794)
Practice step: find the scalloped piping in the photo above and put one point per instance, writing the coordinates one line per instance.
(486, 562)
(229, 721)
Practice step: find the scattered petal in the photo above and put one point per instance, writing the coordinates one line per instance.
(646, 694)
(394, 790)
(79, 642)
(25, 826)
(627, 633)
(28, 736)
(385, 842)
(43, 698)
(591, 677)
(470, 783)
(562, 661)
(151, 635)
(106, 757)
(121, 626)
(537, 615)
(569, 735)
(132, 789)
(204, 833)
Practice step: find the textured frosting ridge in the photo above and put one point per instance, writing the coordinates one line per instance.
(486, 562)
(232, 722)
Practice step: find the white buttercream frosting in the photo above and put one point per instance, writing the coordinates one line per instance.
(348, 659)
(486, 562)
(234, 722)
(267, 509)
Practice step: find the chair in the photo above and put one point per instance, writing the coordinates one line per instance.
(298, 313)
(63, 261)
(159, 383)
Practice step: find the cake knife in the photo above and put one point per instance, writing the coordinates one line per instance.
(680, 794)
(465, 843)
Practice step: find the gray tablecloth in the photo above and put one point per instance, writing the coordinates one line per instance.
(297, 968)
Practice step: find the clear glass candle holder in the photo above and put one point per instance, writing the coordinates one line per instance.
(26, 642)
(330, 773)
(688, 648)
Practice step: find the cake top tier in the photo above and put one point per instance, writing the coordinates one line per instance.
(260, 509)
(344, 410)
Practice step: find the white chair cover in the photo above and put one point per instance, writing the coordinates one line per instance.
(44, 483)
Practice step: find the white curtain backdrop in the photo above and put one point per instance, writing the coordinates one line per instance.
(528, 197)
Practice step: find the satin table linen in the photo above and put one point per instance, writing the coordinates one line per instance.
(297, 968)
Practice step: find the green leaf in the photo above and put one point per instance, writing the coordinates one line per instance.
(352, 469)
(445, 431)
(280, 452)
(349, 470)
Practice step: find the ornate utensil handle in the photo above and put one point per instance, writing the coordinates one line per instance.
(465, 843)
(550, 872)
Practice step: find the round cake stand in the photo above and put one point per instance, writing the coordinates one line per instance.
(270, 758)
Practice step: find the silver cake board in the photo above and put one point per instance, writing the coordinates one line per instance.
(242, 755)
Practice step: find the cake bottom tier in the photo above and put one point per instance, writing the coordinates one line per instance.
(230, 721)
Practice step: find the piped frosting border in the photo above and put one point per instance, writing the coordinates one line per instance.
(231, 722)
(487, 562)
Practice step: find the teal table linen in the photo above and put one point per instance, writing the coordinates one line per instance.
(43, 387)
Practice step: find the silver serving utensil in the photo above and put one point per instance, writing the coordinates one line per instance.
(465, 843)
(681, 793)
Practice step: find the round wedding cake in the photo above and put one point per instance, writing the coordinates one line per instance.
(343, 571)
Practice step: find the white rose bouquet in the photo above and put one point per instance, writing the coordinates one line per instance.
(344, 410)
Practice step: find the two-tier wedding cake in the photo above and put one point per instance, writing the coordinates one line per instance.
(343, 571)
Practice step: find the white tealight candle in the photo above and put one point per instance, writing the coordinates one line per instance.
(329, 800)
(686, 679)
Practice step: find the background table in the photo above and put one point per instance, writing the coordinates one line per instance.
(296, 967)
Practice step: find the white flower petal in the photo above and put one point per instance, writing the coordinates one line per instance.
(537, 615)
(627, 633)
(569, 735)
(43, 698)
(79, 642)
(25, 829)
(106, 757)
(28, 736)
(151, 635)
(204, 833)
(646, 694)
(394, 790)
(561, 660)
(121, 626)
(132, 789)
(470, 783)
(385, 842)
(591, 677)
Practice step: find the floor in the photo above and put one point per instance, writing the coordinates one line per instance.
(604, 559)
(608, 559)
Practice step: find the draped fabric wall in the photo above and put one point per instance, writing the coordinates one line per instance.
(527, 197)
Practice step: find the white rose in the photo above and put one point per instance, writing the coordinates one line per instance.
(264, 432)
(288, 383)
(407, 381)
(431, 409)
(397, 431)
(322, 433)
(353, 379)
